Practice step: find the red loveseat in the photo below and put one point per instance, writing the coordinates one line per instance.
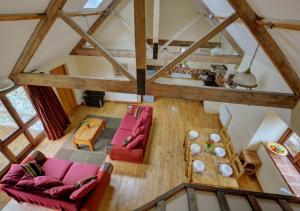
(69, 173)
(118, 152)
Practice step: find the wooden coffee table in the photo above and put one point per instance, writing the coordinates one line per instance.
(88, 132)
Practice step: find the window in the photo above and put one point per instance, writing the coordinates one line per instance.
(7, 124)
(92, 4)
(20, 128)
(292, 143)
(20, 101)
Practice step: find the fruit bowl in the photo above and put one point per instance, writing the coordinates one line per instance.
(277, 149)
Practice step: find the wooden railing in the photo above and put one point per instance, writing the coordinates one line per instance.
(160, 202)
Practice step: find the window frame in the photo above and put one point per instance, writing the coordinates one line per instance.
(23, 129)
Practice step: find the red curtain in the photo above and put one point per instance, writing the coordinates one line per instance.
(49, 110)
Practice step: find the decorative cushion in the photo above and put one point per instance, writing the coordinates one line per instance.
(26, 182)
(13, 176)
(145, 115)
(137, 112)
(138, 140)
(84, 190)
(137, 131)
(84, 181)
(32, 169)
(127, 140)
(60, 191)
(46, 182)
(138, 124)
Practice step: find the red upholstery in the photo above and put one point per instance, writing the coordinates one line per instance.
(136, 155)
(56, 167)
(80, 170)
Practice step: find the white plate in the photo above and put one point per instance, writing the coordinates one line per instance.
(220, 152)
(215, 137)
(193, 134)
(225, 170)
(195, 148)
(198, 166)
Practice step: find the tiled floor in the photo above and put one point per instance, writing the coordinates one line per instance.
(289, 173)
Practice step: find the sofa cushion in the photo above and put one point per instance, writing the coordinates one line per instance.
(136, 142)
(26, 182)
(60, 191)
(32, 168)
(55, 167)
(13, 176)
(46, 182)
(145, 115)
(120, 136)
(128, 122)
(84, 190)
(80, 171)
(137, 131)
(139, 123)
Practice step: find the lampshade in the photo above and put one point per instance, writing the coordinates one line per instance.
(217, 51)
(5, 84)
(245, 79)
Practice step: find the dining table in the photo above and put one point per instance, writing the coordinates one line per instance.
(211, 175)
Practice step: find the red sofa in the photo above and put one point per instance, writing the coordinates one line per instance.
(118, 152)
(69, 173)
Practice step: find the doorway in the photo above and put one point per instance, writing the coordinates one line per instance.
(65, 95)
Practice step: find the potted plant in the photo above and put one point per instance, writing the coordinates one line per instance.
(209, 146)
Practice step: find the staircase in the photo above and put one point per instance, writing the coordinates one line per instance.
(193, 197)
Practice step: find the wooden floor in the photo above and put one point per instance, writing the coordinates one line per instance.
(133, 185)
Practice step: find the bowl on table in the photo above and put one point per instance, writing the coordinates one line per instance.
(226, 170)
(193, 134)
(198, 166)
(277, 149)
(220, 152)
(195, 148)
(215, 137)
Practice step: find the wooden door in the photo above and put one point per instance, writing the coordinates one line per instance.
(66, 96)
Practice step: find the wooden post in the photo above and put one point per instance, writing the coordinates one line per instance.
(156, 11)
(140, 45)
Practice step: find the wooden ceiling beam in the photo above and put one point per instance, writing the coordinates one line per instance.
(248, 97)
(194, 47)
(280, 24)
(156, 15)
(38, 35)
(33, 16)
(195, 57)
(98, 22)
(75, 82)
(247, 14)
(88, 38)
(140, 44)
(180, 43)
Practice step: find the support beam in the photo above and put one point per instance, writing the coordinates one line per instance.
(194, 47)
(33, 16)
(280, 24)
(75, 82)
(98, 22)
(38, 35)
(248, 97)
(196, 57)
(140, 44)
(267, 43)
(179, 43)
(156, 12)
(192, 200)
(202, 6)
(94, 43)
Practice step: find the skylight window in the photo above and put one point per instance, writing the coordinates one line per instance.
(92, 4)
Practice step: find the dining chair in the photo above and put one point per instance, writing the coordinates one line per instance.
(237, 167)
(230, 152)
(224, 136)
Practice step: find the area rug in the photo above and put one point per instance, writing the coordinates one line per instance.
(98, 156)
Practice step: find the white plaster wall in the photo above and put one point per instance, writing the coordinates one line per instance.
(295, 119)
(270, 130)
